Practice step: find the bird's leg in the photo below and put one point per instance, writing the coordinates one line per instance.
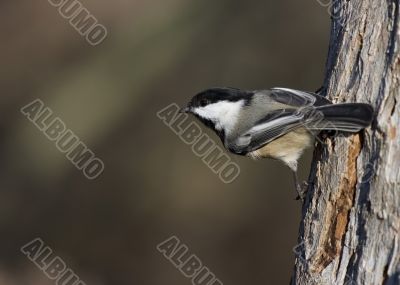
(297, 186)
(299, 190)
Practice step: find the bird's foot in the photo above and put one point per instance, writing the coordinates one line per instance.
(302, 190)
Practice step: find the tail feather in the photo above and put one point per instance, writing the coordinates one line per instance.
(347, 117)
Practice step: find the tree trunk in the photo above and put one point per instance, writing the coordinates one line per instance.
(350, 229)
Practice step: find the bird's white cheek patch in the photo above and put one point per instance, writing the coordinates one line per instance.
(224, 114)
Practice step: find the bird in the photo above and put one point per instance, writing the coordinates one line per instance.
(277, 123)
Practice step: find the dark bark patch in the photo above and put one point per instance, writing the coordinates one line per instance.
(337, 215)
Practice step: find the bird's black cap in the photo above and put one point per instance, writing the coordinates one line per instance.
(214, 95)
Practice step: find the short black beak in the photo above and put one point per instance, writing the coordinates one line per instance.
(185, 110)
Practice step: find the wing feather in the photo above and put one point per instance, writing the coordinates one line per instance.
(291, 115)
(265, 132)
(297, 98)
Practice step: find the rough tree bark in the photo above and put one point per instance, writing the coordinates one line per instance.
(350, 229)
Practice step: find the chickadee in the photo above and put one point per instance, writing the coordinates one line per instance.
(278, 123)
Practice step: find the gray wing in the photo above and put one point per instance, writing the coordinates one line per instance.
(294, 109)
(297, 98)
(266, 130)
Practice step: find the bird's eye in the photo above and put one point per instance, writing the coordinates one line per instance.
(203, 102)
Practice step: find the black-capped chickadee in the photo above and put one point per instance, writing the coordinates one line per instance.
(279, 123)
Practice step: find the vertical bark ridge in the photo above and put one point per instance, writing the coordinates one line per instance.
(350, 228)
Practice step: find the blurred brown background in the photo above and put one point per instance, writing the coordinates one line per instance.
(153, 186)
